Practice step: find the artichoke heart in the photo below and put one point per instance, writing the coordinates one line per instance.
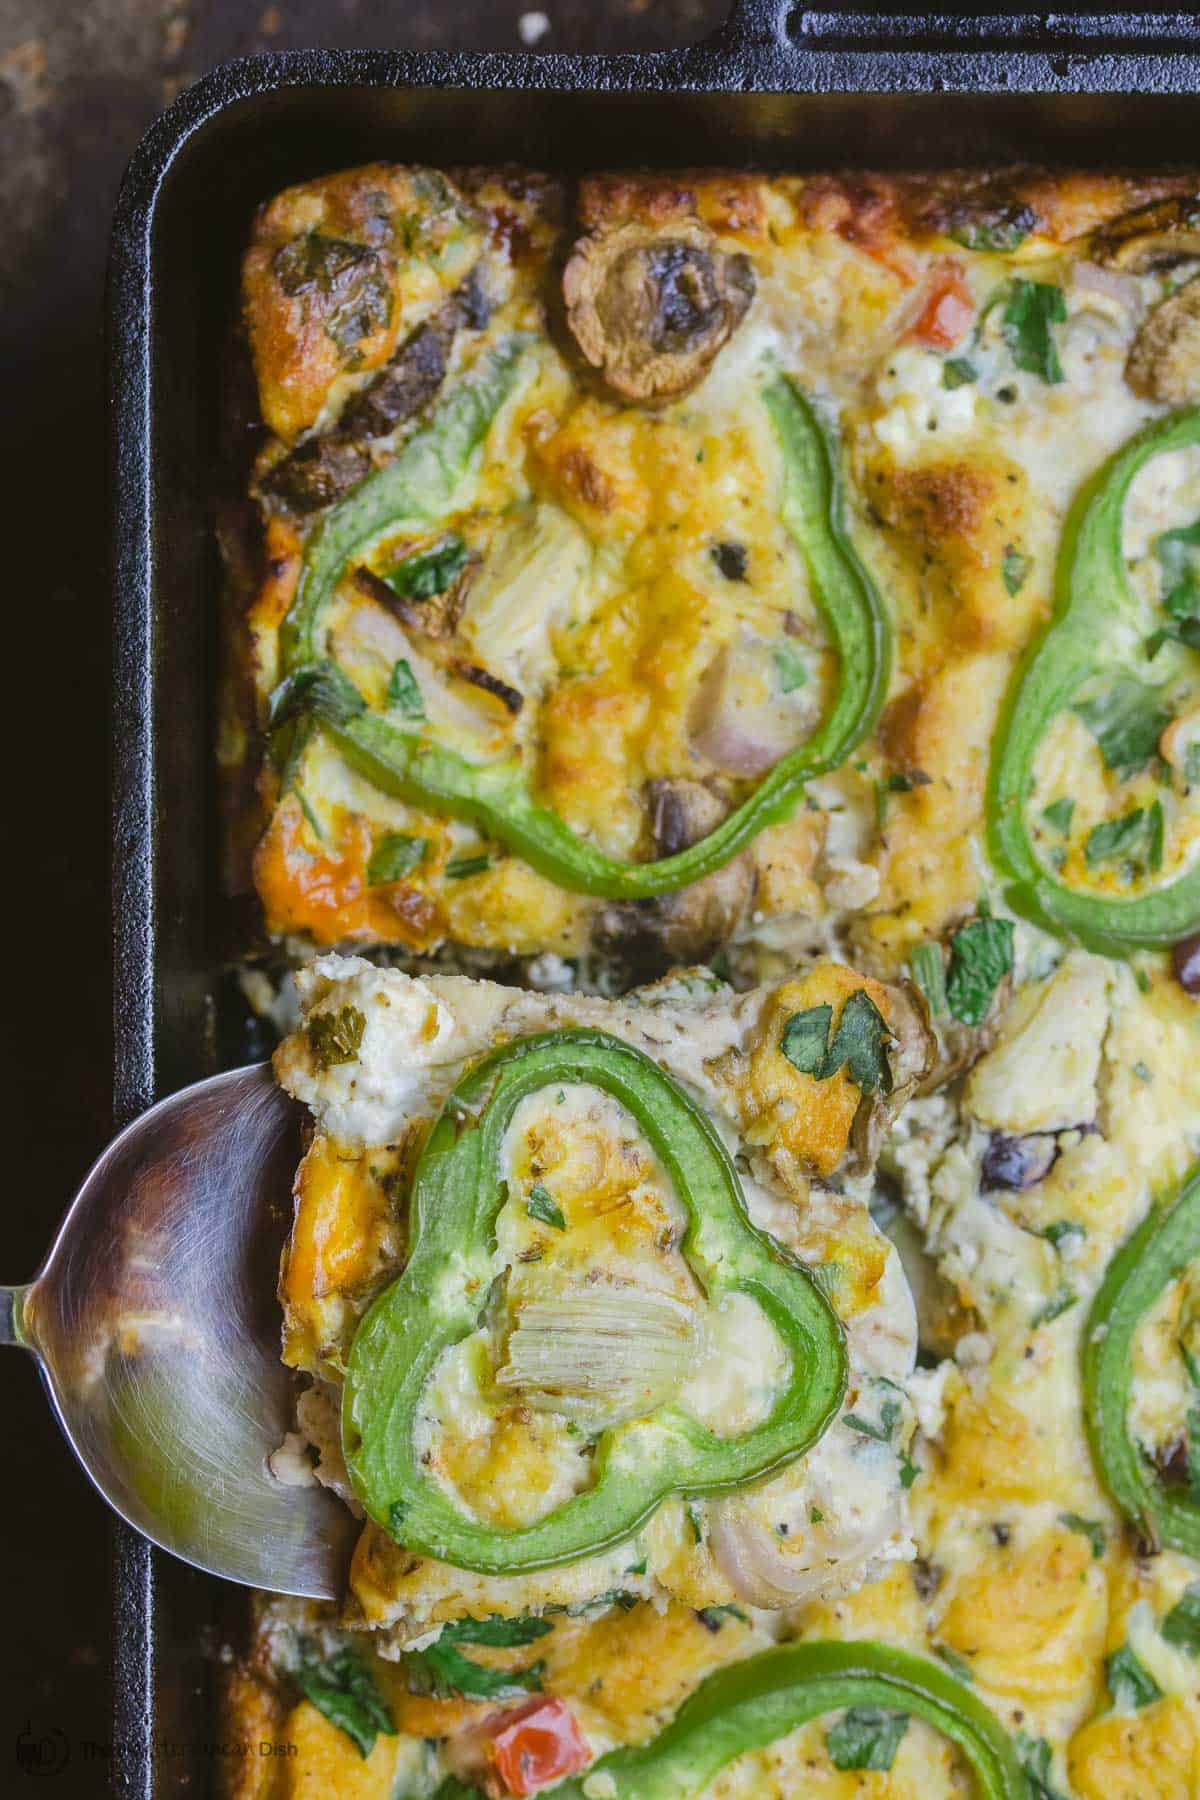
(599, 1356)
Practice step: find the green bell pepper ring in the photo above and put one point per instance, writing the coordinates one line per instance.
(1092, 594)
(495, 797)
(753, 1703)
(437, 1301)
(1161, 1248)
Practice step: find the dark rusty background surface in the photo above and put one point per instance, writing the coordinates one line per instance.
(79, 82)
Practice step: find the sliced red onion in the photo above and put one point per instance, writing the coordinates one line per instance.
(1089, 277)
(739, 720)
(752, 1558)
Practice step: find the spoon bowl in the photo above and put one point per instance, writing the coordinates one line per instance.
(155, 1324)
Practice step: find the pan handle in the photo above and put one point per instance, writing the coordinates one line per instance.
(757, 24)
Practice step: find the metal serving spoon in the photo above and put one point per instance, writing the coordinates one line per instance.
(155, 1324)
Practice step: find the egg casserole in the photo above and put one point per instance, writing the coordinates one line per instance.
(754, 621)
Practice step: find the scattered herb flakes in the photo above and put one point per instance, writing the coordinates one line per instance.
(981, 955)
(638, 1568)
(695, 1521)
(460, 867)
(1059, 813)
(805, 1040)
(1035, 1757)
(404, 692)
(1126, 719)
(426, 573)
(1030, 312)
(397, 1512)
(1091, 1529)
(316, 689)
(1135, 838)
(713, 1617)
(958, 371)
(909, 1471)
(541, 1206)
(1014, 568)
(344, 1689)
(395, 856)
(454, 1789)
(1143, 1072)
(336, 1037)
(866, 1737)
(1129, 1682)
(815, 1516)
(929, 972)
(1181, 1626)
(1061, 1300)
(957, 1665)
(790, 667)
(1004, 228)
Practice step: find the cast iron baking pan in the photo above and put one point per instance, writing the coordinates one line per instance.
(780, 85)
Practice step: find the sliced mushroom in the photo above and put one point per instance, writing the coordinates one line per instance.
(322, 468)
(1152, 237)
(910, 1058)
(1164, 363)
(690, 925)
(650, 309)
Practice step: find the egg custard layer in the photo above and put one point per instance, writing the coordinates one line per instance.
(800, 573)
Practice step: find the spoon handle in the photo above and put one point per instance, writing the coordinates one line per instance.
(12, 1303)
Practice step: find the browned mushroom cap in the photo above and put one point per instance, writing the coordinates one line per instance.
(1164, 363)
(1153, 237)
(650, 309)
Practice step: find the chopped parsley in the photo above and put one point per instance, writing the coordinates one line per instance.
(1035, 1757)
(441, 1669)
(1064, 1231)
(1178, 553)
(1136, 839)
(336, 1037)
(889, 1418)
(866, 1737)
(427, 573)
(929, 972)
(694, 1521)
(790, 667)
(908, 1471)
(344, 1689)
(859, 1044)
(1015, 568)
(1181, 1626)
(404, 692)
(395, 856)
(1003, 228)
(805, 1040)
(1091, 1529)
(958, 371)
(461, 866)
(1030, 311)
(1061, 1300)
(540, 1206)
(1126, 720)
(981, 955)
(1129, 1682)
(1059, 813)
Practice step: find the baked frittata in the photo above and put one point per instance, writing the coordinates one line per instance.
(754, 620)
